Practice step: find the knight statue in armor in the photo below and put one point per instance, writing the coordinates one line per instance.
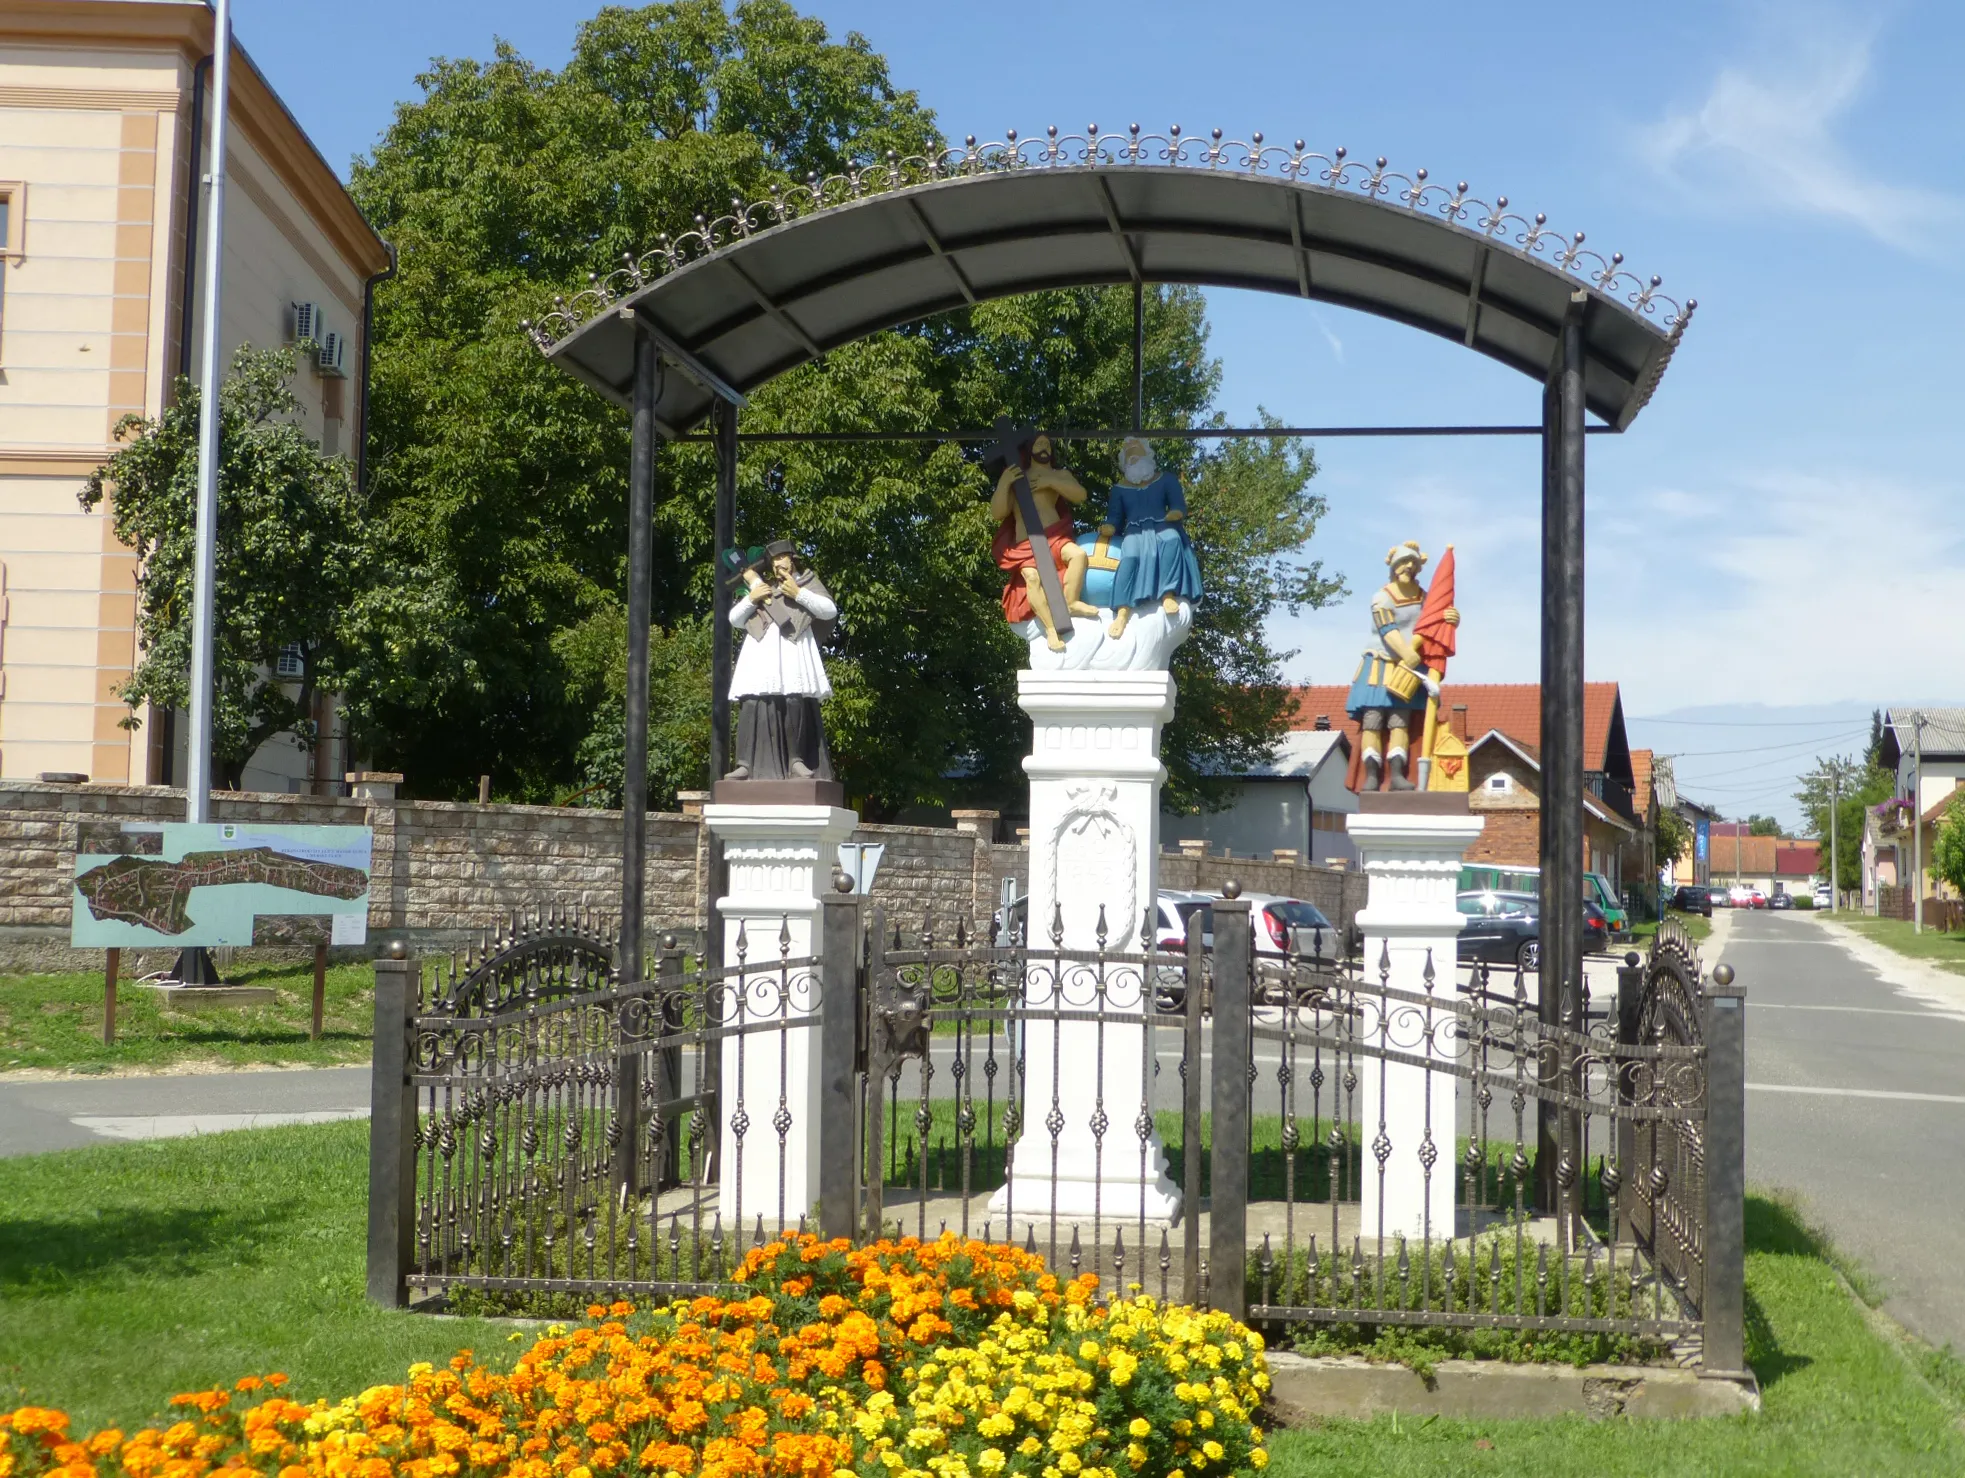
(1393, 681)
(784, 614)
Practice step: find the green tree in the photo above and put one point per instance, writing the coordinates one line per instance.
(1948, 846)
(1873, 752)
(1849, 789)
(503, 479)
(1673, 837)
(291, 558)
(1762, 826)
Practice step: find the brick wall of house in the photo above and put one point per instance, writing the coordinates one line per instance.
(444, 871)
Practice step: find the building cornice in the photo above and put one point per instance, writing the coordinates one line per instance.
(184, 29)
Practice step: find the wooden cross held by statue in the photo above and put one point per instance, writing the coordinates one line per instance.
(1010, 445)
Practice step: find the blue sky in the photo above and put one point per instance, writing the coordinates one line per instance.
(1781, 530)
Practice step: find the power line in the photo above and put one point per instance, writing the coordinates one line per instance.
(1720, 723)
(1795, 744)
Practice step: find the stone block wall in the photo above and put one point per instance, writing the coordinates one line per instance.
(444, 871)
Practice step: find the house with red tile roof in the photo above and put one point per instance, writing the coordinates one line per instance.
(1503, 722)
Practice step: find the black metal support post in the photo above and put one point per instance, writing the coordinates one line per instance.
(1723, 1308)
(725, 520)
(1560, 990)
(641, 573)
(392, 1133)
(634, 757)
(1139, 357)
(839, 1119)
(1228, 1157)
(667, 1145)
(1190, 1113)
(1630, 1000)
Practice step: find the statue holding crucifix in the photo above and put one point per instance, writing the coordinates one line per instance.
(1049, 576)
(1034, 542)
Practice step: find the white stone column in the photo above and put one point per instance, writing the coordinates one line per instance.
(1410, 845)
(780, 859)
(1095, 778)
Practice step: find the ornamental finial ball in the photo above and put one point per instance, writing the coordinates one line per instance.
(1231, 889)
(396, 949)
(842, 880)
(1723, 975)
(669, 940)
(1631, 960)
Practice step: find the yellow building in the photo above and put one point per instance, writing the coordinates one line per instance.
(101, 265)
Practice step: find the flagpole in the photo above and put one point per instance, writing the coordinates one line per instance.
(198, 767)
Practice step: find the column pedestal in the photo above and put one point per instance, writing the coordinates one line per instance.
(1410, 845)
(780, 859)
(1095, 778)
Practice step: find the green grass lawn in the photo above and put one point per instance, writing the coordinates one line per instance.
(55, 1021)
(129, 1273)
(1947, 951)
(1697, 925)
(1843, 1394)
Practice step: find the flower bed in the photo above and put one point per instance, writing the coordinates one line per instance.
(946, 1359)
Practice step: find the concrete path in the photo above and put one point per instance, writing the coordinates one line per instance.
(62, 1113)
(1856, 1101)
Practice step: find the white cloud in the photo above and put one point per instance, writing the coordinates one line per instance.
(1330, 334)
(1765, 135)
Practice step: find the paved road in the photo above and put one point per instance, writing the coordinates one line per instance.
(59, 1115)
(1856, 1102)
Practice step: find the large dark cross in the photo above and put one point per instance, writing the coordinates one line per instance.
(1010, 443)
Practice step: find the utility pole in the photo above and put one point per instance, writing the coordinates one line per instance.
(1835, 805)
(198, 760)
(1917, 822)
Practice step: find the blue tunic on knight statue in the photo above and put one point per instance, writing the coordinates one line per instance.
(1146, 513)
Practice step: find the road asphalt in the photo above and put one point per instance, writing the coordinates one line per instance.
(61, 1113)
(1856, 1101)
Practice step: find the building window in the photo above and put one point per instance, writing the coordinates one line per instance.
(13, 227)
(1499, 782)
(292, 663)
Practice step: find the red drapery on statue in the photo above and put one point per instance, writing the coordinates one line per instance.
(1435, 635)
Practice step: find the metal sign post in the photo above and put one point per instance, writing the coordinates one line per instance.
(1009, 445)
(198, 765)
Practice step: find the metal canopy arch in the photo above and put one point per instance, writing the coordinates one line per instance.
(773, 285)
(746, 297)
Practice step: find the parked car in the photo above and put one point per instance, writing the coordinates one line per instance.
(1756, 898)
(1285, 926)
(1597, 933)
(1506, 929)
(1824, 896)
(1780, 900)
(1500, 928)
(1721, 897)
(1693, 900)
(1597, 889)
(1739, 896)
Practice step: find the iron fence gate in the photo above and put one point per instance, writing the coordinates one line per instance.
(544, 1126)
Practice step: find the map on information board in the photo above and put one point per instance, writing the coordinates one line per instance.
(176, 883)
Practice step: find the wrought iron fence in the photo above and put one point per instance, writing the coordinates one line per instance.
(1205, 1124)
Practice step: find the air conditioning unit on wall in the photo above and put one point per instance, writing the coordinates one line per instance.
(332, 355)
(307, 322)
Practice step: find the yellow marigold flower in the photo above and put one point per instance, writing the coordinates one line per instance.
(1140, 1427)
(991, 1460)
(1259, 1458)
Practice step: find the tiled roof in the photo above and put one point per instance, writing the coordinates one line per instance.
(1943, 729)
(1750, 856)
(1798, 859)
(1513, 708)
(1591, 805)
(1300, 754)
(1641, 782)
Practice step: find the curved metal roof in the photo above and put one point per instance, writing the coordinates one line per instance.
(774, 285)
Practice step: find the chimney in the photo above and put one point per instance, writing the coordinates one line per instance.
(1460, 723)
(1323, 723)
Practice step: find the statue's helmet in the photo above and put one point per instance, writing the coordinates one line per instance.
(1406, 553)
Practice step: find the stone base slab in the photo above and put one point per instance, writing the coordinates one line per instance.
(1307, 1390)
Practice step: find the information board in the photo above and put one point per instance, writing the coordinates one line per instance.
(167, 883)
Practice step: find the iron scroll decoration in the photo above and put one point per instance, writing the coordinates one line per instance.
(1494, 222)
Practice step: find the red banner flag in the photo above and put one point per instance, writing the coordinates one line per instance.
(1435, 632)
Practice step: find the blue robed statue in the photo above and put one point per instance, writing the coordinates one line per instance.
(1146, 517)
